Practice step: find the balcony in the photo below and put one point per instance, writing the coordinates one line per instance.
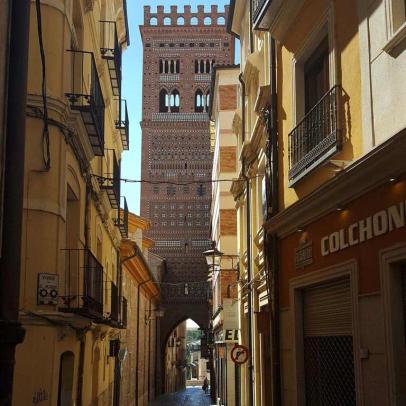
(110, 183)
(123, 124)
(124, 313)
(82, 290)
(316, 137)
(86, 97)
(112, 317)
(122, 219)
(111, 52)
(258, 9)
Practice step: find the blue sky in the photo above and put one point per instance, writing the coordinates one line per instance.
(132, 91)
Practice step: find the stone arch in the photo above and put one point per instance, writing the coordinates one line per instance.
(153, 21)
(194, 21)
(207, 21)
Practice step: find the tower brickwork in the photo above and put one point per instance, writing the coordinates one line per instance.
(180, 49)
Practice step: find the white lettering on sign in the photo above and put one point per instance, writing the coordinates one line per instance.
(373, 226)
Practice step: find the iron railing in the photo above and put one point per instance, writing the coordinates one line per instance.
(86, 97)
(82, 284)
(111, 181)
(257, 9)
(111, 51)
(316, 137)
(123, 124)
(113, 317)
(122, 219)
(124, 312)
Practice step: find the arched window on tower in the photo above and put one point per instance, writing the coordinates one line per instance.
(163, 101)
(207, 66)
(175, 101)
(207, 100)
(161, 66)
(199, 107)
(202, 66)
(196, 66)
(177, 70)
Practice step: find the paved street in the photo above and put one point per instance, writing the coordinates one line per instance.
(187, 397)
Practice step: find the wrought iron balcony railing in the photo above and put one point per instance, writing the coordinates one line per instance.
(113, 314)
(82, 287)
(111, 52)
(86, 96)
(111, 181)
(316, 137)
(124, 312)
(122, 219)
(258, 8)
(123, 124)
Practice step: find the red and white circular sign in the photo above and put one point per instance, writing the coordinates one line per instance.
(240, 354)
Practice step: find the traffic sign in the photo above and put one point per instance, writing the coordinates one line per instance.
(239, 354)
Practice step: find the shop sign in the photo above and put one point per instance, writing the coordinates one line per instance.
(231, 335)
(230, 314)
(47, 293)
(239, 354)
(380, 223)
(304, 254)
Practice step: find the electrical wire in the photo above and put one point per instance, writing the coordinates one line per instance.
(168, 182)
(45, 133)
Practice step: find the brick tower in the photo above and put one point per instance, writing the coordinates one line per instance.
(179, 52)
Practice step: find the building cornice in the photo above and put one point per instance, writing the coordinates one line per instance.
(372, 170)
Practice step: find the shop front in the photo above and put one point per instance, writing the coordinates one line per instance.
(343, 302)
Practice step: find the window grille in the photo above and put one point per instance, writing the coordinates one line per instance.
(329, 370)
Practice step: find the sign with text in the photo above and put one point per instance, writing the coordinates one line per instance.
(47, 293)
(231, 335)
(304, 255)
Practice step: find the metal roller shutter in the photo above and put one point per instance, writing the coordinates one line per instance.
(328, 344)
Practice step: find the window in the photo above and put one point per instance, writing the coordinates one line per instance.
(167, 21)
(194, 21)
(316, 75)
(199, 107)
(221, 21)
(396, 23)
(315, 138)
(163, 101)
(66, 369)
(153, 21)
(156, 189)
(175, 101)
(181, 21)
(207, 21)
(201, 190)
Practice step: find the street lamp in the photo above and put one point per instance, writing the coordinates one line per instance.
(213, 257)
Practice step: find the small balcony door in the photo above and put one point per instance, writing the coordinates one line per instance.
(316, 75)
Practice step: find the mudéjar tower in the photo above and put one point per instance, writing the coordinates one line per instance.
(180, 49)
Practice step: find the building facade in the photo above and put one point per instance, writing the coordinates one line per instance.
(224, 283)
(180, 49)
(70, 300)
(140, 288)
(333, 127)
(175, 359)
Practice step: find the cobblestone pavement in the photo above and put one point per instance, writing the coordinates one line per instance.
(187, 397)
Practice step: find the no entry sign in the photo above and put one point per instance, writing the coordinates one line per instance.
(240, 354)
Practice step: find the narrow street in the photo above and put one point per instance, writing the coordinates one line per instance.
(187, 397)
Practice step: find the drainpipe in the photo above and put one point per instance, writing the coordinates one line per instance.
(249, 273)
(271, 241)
(11, 331)
(138, 338)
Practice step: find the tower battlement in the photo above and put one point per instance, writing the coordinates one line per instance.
(176, 18)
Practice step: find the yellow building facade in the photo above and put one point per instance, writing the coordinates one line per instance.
(322, 120)
(142, 273)
(224, 283)
(77, 129)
